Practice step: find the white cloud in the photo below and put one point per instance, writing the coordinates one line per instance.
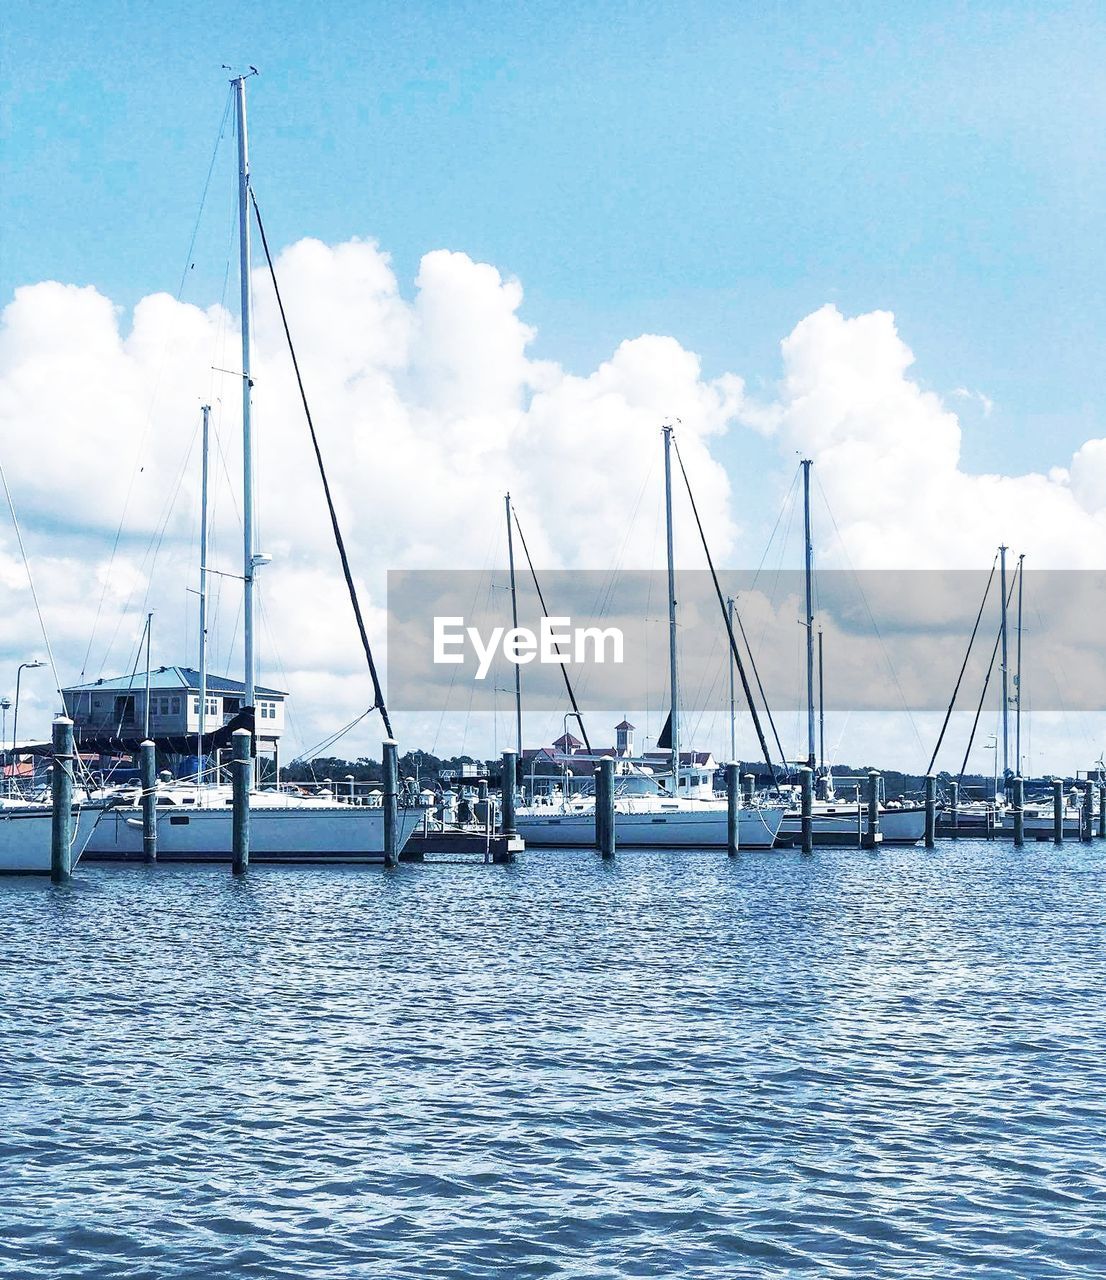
(887, 455)
(428, 410)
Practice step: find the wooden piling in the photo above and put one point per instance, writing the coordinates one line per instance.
(1102, 810)
(391, 804)
(871, 836)
(147, 767)
(1057, 810)
(748, 789)
(954, 808)
(733, 811)
(931, 810)
(509, 790)
(1019, 813)
(1086, 814)
(241, 774)
(61, 796)
(604, 807)
(806, 783)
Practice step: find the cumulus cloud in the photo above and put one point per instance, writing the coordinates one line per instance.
(887, 453)
(429, 407)
(428, 410)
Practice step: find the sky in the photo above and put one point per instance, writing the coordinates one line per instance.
(520, 236)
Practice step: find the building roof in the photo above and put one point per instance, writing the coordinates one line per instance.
(167, 678)
(624, 725)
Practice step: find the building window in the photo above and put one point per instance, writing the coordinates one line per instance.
(212, 706)
(195, 706)
(174, 706)
(124, 709)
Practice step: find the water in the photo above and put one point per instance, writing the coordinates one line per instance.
(677, 1065)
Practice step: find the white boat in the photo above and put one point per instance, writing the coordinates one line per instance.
(195, 821)
(659, 822)
(1039, 822)
(194, 825)
(838, 823)
(26, 834)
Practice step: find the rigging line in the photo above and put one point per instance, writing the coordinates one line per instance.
(784, 506)
(760, 686)
(726, 618)
(871, 617)
(964, 666)
(378, 693)
(986, 682)
(545, 613)
(30, 578)
(149, 417)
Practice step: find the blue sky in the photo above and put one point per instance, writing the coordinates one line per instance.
(711, 171)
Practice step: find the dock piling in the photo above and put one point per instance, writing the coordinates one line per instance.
(604, 807)
(391, 803)
(241, 770)
(61, 796)
(1057, 810)
(1086, 818)
(931, 810)
(147, 765)
(954, 808)
(733, 838)
(871, 836)
(509, 790)
(806, 782)
(748, 788)
(1102, 810)
(1019, 813)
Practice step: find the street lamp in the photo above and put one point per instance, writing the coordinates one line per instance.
(23, 666)
(993, 747)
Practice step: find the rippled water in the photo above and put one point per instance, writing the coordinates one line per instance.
(675, 1065)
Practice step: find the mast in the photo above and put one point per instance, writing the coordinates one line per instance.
(201, 762)
(1005, 671)
(733, 704)
(514, 623)
(248, 549)
(821, 711)
(672, 672)
(146, 711)
(1018, 674)
(809, 565)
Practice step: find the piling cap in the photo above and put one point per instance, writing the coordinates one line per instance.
(62, 720)
(239, 733)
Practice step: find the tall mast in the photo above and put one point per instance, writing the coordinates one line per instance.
(821, 710)
(146, 712)
(514, 623)
(809, 563)
(1018, 675)
(672, 672)
(1005, 672)
(733, 704)
(248, 548)
(201, 762)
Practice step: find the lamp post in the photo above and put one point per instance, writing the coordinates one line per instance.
(23, 666)
(993, 747)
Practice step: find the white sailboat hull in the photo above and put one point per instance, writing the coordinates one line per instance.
(26, 833)
(330, 834)
(675, 828)
(841, 824)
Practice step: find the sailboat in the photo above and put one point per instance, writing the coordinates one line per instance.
(688, 816)
(26, 835)
(837, 822)
(195, 820)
